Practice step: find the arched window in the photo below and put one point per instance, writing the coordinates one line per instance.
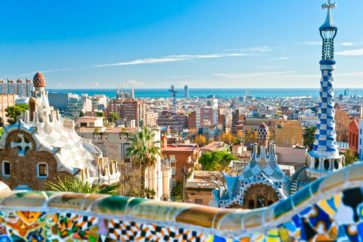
(316, 164)
(42, 170)
(251, 204)
(6, 168)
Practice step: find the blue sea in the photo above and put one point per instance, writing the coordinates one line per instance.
(206, 92)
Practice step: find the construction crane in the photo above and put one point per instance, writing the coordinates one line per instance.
(173, 95)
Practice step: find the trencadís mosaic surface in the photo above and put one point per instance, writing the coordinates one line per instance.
(329, 209)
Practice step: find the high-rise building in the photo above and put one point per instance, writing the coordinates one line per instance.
(129, 109)
(325, 157)
(186, 91)
(175, 122)
(173, 93)
(151, 119)
(20, 88)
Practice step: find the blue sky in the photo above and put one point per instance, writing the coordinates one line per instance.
(156, 43)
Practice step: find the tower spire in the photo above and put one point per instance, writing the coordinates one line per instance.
(324, 157)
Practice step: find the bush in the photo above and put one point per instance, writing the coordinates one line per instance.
(216, 161)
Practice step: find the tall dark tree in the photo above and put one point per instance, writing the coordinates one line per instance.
(309, 137)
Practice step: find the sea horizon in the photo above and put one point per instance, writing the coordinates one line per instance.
(207, 92)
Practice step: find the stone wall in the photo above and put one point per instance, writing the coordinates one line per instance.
(23, 169)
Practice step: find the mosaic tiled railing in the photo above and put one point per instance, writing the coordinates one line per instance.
(328, 209)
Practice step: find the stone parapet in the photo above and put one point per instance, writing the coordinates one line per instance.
(336, 201)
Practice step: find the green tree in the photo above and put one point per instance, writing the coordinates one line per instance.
(99, 114)
(216, 161)
(113, 117)
(350, 157)
(144, 152)
(81, 114)
(177, 192)
(74, 184)
(309, 137)
(149, 193)
(13, 112)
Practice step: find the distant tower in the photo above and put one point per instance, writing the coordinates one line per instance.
(325, 158)
(173, 95)
(186, 91)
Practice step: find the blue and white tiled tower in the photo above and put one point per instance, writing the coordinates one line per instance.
(325, 158)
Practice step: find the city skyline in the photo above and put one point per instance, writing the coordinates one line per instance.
(240, 44)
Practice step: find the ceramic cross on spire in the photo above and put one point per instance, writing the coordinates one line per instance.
(329, 5)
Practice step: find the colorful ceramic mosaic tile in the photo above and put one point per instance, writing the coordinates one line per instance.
(329, 209)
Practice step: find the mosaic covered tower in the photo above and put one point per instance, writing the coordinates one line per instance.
(325, 158)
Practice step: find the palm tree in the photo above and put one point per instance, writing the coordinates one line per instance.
(74, 184)
(144, 152)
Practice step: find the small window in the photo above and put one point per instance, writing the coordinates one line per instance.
(316, 163)
(6, 168)
(42, 170)
(198, 201)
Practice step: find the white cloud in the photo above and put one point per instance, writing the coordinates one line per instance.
(254, 75)
(310, 43)
(347, 44)
(284, 79)
(351, 75)
(282, 58)
(32, 73)
(348, 53)
(187, 57)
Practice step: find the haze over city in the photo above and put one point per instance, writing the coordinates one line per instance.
(242, 44)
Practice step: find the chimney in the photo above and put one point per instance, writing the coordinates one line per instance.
(164, 141)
